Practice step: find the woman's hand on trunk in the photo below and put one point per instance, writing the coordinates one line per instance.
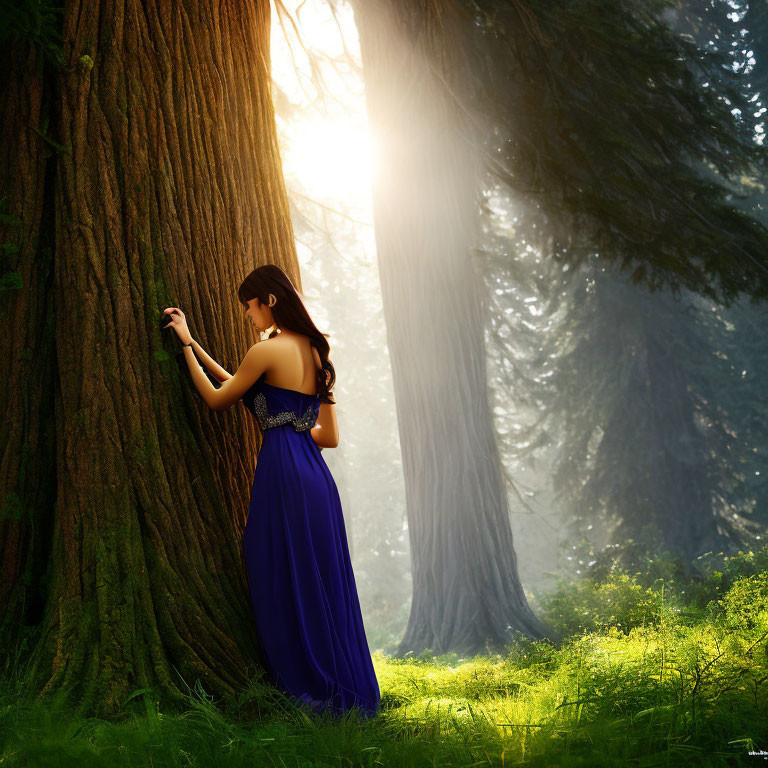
(179, 324)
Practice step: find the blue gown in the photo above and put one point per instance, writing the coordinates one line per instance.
(297, 560)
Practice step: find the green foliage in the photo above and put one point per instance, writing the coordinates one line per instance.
(591, 606)
(675, 687)
(723, 573)
(657, 594)
(744, 607)
(617, 134)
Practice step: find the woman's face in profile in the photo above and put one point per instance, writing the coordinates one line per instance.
(256, 315)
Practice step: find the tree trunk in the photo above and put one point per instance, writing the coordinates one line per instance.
(170, 154)
(27, 354)
(638, 404)
(467, 596)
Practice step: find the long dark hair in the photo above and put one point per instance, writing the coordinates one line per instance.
(289, 312)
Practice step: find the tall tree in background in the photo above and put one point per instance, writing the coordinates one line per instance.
(644, 440)
(654, 422)
(164, 188)
(466, 592)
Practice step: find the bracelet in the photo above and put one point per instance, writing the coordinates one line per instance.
(187, 345)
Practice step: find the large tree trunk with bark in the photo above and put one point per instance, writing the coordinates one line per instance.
(167, 191)
(467, 595)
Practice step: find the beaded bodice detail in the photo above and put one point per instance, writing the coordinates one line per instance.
(301, 414)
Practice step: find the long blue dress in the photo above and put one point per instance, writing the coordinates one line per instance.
(299, 571)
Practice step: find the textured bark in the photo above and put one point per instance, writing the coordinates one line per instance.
(27, 445)
(467, 596)
(169, 192)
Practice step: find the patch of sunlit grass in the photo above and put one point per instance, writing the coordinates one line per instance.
(656, 681)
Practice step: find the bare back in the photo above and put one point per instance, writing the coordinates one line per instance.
(295, 363)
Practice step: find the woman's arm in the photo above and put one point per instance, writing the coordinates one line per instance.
(212, 395)
(326, 431)
(200, 380)
(257, 359)
(219, 373)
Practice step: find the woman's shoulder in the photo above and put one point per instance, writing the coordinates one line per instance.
(293, 338)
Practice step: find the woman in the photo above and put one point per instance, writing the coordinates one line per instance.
(295, 546)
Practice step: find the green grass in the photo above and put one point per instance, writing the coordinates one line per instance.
(655, 671)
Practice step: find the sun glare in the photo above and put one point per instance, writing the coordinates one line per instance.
(331, 158)
(325, 144)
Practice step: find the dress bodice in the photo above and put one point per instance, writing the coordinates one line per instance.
(277, 406)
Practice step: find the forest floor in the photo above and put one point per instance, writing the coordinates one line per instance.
(654, 671)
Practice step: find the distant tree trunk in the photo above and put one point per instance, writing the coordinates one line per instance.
(648, 448)
(168, 190)
(467, 596)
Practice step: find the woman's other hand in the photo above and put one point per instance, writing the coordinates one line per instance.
(179, 324)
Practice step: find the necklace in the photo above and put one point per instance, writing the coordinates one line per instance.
(265, 333)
